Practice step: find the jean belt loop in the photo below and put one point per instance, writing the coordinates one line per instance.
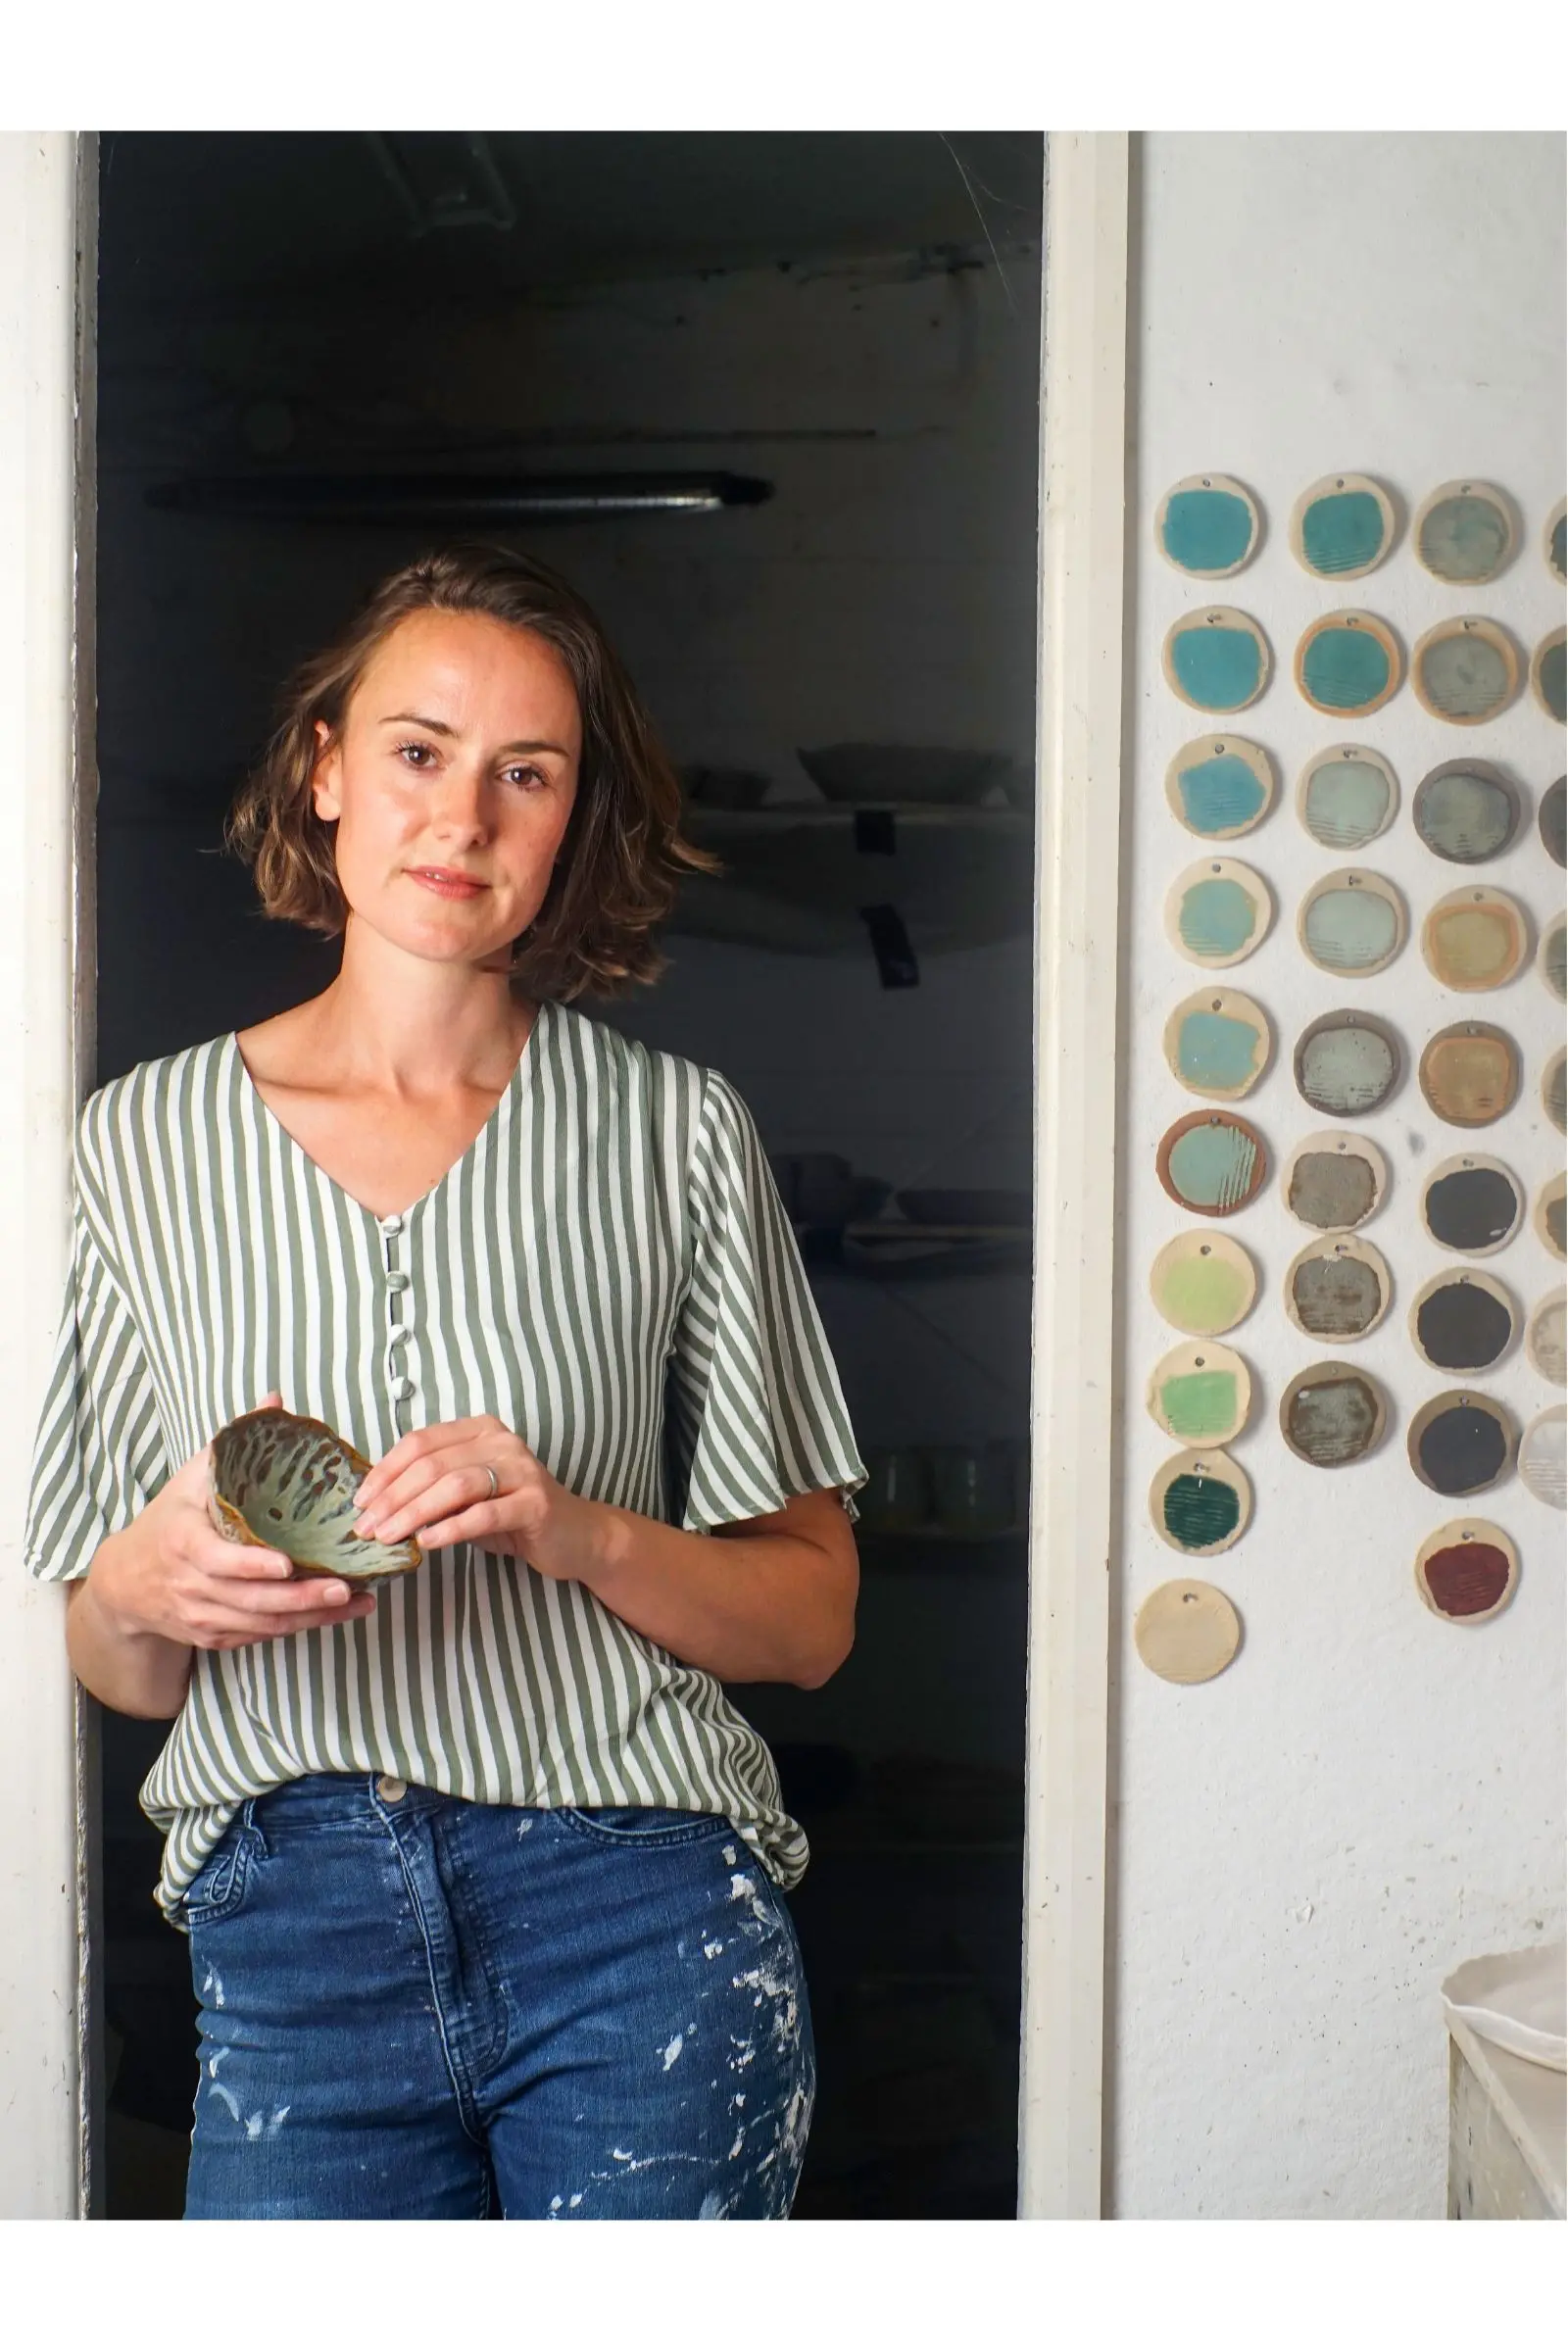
(251, 1826)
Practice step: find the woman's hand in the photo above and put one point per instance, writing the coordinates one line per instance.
(767, 1600)
(171, 1573)
(435, 1484)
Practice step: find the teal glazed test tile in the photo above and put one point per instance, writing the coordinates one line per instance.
(1212, 1163)
(1218, 1053)
(1219, 788)
(1556, 541)
(1216, 659)
(1347, 664)
(1217, 1044)
(1464, 533)
(1208, 526)
(1343, 527)
(1217, 912)
(1218, 918)
(1346, 796)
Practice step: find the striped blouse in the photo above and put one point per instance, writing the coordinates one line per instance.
(608, 1269)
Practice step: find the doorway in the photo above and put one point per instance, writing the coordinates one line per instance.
(818, 356)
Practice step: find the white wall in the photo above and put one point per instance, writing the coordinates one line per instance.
(1305, 1847)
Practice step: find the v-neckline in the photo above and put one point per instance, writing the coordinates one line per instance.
(499, 1113)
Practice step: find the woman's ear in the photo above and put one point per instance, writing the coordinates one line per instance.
(325, 775)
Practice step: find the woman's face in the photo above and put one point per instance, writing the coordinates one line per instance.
(452, 782)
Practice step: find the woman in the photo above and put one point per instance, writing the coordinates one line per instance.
(483, 1875)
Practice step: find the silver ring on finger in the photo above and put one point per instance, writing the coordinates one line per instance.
(494, 1483)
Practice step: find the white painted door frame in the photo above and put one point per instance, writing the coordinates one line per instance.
(1077, 953)
(47, 958)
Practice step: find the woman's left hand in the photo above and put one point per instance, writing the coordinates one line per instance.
(434, 1484)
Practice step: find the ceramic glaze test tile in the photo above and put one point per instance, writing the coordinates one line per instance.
(1347, 664)
(1466, 810)
(1343, 527)
(1464, 533)
(1346, 795)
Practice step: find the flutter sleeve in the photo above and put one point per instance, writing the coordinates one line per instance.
(755, 1393)
(99, 1455)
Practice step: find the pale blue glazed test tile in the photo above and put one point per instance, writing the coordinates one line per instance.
(1346, 796)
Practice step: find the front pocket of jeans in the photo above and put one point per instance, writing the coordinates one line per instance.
(645, 1825)
(218, 1887)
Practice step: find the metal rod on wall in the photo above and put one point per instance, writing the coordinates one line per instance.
(456, 498)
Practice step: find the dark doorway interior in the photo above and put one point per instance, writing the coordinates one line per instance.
(850, 322)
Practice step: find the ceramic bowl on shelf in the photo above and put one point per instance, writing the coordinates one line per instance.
(883, 772)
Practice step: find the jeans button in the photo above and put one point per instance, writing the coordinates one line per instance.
(391, 1787)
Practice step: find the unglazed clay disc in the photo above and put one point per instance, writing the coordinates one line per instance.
(1553, 540)
(1200, 1393)
(1332, 1414)
(1551, 957)
(1187, 1631)
(1463, 1321)
(1466, 810)
(1201, 1502)
(1555, 1093)
(1460, 1443)
(1347, 1062)
(1472, 1204)
(1552, 819)
(1343, 527)
(1338, 1288)
(1469, 1073)
(1464, 533)
(1203, 1284)
(1466, 670)
(1546, 675)
(1552, 1215)
(1219, 786)
(1334, 1182)
(1476, 938)
(1217, 912)
(1207, 527)
(1346, 795)
(1468, 1571)
(1352, 923)
(1212, 1163)
(1543, 1456)
(1546, 1338)
(1216, 659)
(1347, 664)
(1217, 1044)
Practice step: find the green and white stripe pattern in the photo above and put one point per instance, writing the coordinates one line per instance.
(616, 1214)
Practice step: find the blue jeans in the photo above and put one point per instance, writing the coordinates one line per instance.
(419, 2008)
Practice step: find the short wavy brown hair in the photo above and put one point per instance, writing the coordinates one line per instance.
(622, 855)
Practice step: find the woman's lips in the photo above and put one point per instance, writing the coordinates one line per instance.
(446, 886)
